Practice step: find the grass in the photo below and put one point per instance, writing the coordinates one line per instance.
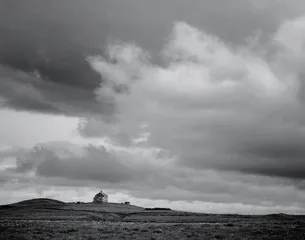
(123, 230)
(47, 221)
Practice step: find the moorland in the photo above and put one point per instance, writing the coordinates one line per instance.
(53, 219)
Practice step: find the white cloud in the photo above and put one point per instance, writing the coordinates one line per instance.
(209, 93)
(217, 106)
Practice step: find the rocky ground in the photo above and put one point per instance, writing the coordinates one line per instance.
(57, 220)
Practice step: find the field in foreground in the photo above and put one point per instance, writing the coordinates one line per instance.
(49, 219)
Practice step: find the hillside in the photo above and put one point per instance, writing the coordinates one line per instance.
(53, 219)
(46, 203)
(38, 202)
(106, 207)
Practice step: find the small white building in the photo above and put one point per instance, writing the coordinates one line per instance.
(100, 198)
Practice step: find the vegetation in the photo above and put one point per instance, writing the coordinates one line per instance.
(158, 209)
(41, 219)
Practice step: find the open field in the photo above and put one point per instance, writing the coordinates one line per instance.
(48, 219)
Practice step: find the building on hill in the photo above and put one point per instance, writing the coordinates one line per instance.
(100, 198)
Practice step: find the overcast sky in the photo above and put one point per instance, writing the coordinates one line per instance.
(196, 105)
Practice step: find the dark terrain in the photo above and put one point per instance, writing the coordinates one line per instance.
(52, 219)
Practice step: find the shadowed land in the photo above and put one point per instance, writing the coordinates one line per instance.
(53, 219)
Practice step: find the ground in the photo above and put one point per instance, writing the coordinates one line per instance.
(49, 219)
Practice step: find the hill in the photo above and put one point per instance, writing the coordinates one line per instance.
(106, 207)
(52, 204)
(39, 202)
(52, 219)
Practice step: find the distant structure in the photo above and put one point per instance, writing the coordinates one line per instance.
(100, 198)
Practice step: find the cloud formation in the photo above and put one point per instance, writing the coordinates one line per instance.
(43, 66)
(43, 58)
(215, 120)
(144, 173)
(215, 105)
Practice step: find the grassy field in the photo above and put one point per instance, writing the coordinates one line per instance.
(48, 219)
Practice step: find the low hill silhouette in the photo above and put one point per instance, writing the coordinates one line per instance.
(35, 203)
(39, 202)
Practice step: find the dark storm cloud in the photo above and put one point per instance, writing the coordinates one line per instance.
(22, 91)
(53, 39)
(11, 153)
(168, 182)
(262, 150)
(282, 155)
(289, 168)
(50, 37)
(50, 41)
(73, 163)
(96, 165)
(227, 110)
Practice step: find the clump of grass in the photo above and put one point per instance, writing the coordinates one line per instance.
(217, 237)
(229, 225)
(191, 235)
(158, 230)
(71, 230)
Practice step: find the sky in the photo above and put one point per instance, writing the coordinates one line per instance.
(197, 106)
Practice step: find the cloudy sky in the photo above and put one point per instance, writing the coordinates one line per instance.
(196, 105)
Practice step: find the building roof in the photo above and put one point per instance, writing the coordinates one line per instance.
(101, 194)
